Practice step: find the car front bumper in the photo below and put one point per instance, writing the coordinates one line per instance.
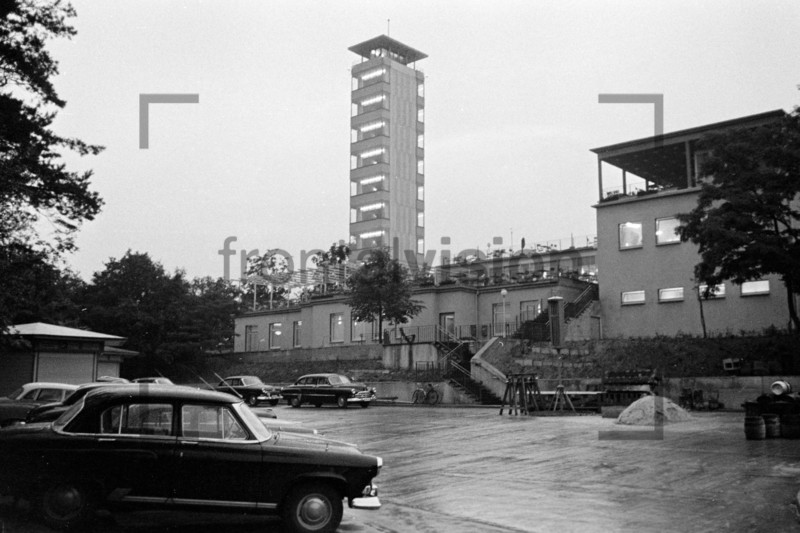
(369, 499)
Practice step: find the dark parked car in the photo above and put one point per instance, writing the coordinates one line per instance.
(318, 389)
(172, 447)
(251, 389)
(15, 407)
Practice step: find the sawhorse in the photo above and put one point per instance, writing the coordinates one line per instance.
(522, 394)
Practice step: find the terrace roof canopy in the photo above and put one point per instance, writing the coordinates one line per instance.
(400, 52)
(668, 160)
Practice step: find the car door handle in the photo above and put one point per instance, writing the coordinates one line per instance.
(106, 440)
(189, 443)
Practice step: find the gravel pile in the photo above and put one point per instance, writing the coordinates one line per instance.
(646, 411)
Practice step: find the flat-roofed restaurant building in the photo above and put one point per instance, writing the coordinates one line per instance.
(387, 150)
(645, 273)
(468, 300)
(46, 352)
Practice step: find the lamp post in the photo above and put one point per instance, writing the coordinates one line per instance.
(503, 294)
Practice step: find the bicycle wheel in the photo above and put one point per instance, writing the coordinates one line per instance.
(433, 397)
(418, 396)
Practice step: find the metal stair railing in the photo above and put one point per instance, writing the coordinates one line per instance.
(574, 308)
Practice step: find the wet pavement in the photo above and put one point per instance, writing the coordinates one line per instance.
(458, 469)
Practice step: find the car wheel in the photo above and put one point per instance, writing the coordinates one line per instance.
(295, 402)
(341, 401)
(252, 401)
(313, 509)
(66, 505)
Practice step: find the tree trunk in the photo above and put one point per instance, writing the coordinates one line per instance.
(702, 315)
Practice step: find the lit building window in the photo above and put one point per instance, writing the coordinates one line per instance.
(420, 193)
(372, 153)
(374, 179)
(420, 90)
(371, 207)
(373, 100)
(420, 246)
(337, 327)
(665, 230)
(372, 74)
(755, 288)
(372, 126)
(420, 141)
(630, 235)
(674, 294)
(632, 297)
(297, 329)
(421, 114)
(421, 219)
(420, 166)
(274, 335)
(371, 234)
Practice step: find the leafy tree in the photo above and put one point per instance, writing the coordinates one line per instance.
(35, 290)
(381, 290)
(34, 182)
(134, 297)
(747, 219)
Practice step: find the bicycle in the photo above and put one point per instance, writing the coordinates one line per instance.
(428, 395)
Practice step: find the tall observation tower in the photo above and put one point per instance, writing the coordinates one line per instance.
(387, 156)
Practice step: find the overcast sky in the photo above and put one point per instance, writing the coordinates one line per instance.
(511, 112)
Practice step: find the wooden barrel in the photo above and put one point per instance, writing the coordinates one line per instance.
(754, 428)
(772, 425)
(751, 409)
(790, 426)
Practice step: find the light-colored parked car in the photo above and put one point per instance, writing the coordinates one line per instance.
(158, 379)
(14, 408)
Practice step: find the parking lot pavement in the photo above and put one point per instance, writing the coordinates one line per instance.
(472, 470)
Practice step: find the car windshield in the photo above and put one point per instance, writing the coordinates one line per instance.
(67, 415)
(14, 395)
(339, 380)
(251, 380)
(251, 419)
(77, 395)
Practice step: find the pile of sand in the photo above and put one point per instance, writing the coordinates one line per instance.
(651, 409)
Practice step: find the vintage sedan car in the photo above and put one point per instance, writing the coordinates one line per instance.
(318, 389)
(250, 388)
(16, 405)
(157, 379)
(173, 447)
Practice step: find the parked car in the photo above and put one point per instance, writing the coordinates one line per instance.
(174, 447)
(318, 389)
(15, 407)
(159, 379)
(51, 411)
(112, 379)
(251, 389)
